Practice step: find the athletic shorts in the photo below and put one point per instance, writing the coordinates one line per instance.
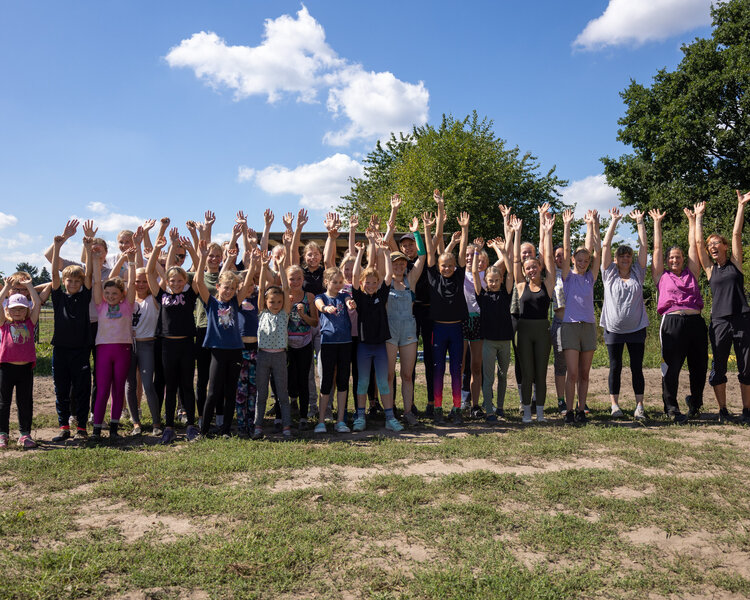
(578, 336)
(470, 328)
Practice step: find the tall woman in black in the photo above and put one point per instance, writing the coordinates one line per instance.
(730, 314)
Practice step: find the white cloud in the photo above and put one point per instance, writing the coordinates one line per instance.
(97, 207)
(18, 240)
(106, 220)
(320, 185)
(295, 59)
(291, 58)
(376, 104)
(591, 193)
(636, 22)
(7, 220)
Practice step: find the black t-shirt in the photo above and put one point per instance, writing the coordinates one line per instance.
(728, 290)
(422, 289)
(494, 319)
(447, 301)
(176, 313)
(313, 281)
(71, 318)
(372, 322)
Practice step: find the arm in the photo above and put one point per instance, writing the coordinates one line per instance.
(693, 260)
(36, 307)
(439, 241)
(475, 273)
(567, 218)
(428, 220)
(597, 249)
(505, 212)
(301, 221)
(131, 256)
(353, 223)
(357, 272)
(329, 250)
(69, 231)
(147, 226)
(118, 265)
(463, 221)
(263, 282)
(607, 245)
(739, 223)
(96, 284)
(174, 238)
(391, 228)
(548, 252)
(517, 224)
(455, 239)
(153, 285)
(138, 237)
(3, 295)
(637, 215)
(657, 260)
(543, 210)
(385, 253)
(700, 241)
(285, 289)
(56, 245)
(210, 219)
(247, 284)
(199, 281)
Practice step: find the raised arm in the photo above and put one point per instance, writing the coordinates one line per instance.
(739, 223)
(70, 230)
(517, 225)
(56, 245)
(567, 219)
(253, 261)
(97, 292)
(138, 237)
(285, 289)
(153, 284)
(353, 224)
(693, 261)
(131, 257)
(700, 240)
(174, 238)
(385, 253)
(391, 229)
(199, 280)
(268, 218)
(607, 245)
(301, 220)
(542, 210)
(263, 282)
(428, 220)
(3, 295)
(463, 221)
(208, 225)
(505, 212)
(357, 272)
(475, 273)
(657, 259)
(89, 263)
(455, 241)
(439, 241)
(596, 256)
(147, 226)
(331, 224)
(637, 216)
(548, 252)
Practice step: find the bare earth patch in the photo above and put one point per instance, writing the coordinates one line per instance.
(626, 493)
(153, 593)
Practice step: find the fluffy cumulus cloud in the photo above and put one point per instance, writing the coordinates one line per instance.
(7, 220)
(591, 193)
(635, 22)
(320, 185)
(105, 219)
(294, 58)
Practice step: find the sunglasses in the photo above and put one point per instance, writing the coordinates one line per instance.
(180, 256)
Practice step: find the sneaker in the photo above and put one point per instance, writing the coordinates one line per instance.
(500, 413)
(526, 414)
(342, 428)
(437, 417)
(562, 408)
(113, 433)
(303, 425)
(192, 433)
(744, 418)
(3, 440)
(96, 435)
(136, 430)
(616, 411)
(429, 410)
(570, 418)
(287, 433)
(477, 413)
(694, 410)
(359, 424)
(157, 431)
(491, 418)
(639, 414)
(64, 435)
(81, 434)
(411, 419)
(257, 434)
(26, 442)
(540, 415)
(678, 418)
(586, 408)
(725, 416)
(415, 410)
(277, 426)
(456, 417)
(393, 425)
(376, 413)
(168, 436)
(320, 428)
(581, 417)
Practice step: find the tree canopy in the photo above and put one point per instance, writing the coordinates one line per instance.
(37, 278)
(689, 130)
(471, 166)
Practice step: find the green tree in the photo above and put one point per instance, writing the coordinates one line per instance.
(36, 277)
(471, 166)
(690, 130)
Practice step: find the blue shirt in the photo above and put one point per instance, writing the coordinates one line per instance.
(223, 329)
(249, 316)
(335, 328)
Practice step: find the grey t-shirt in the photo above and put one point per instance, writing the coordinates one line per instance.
(624, 310)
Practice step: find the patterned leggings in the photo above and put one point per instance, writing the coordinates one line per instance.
(246, 390)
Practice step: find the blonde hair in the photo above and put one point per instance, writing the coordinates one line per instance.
(115, 282)
(19, 276)
(178, 270)
(716, 236)
(215, 246)
(100, 242)
(293, 269)
(493, 270)
(73, 272)
(229, 277)
(330, 273)
(581, 249)
(126, 233)
(368, 272)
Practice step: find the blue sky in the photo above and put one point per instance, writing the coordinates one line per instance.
(122, 111)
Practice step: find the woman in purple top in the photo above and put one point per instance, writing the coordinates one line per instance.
(683, 331)
(578, 330)
(730, 313)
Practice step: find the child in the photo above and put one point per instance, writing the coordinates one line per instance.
(335, 344)
(17, 360)
(223, 337)
(246, 383)
(114, 339)
(448, 310)
(273, 321)
(71, 373)
(371, 297)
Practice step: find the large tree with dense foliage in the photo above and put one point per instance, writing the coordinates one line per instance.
(473, 168)
(690, 131)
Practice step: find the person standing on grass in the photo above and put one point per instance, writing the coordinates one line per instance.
(578, 330)
(624, 317)
(558, 309)
(18, 322)
(730, 314)
(71, 372)
(534, 297)
(683, 331)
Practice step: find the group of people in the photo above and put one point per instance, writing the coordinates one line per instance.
(252, 321)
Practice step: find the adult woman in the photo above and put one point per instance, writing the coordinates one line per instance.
(730, 314)
(624, 317)
(534, 297)
(683, 331)
(578, 331)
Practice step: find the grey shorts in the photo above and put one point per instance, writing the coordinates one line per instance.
(578, 336)
(403, 331)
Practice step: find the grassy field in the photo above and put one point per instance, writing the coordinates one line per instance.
(612, 510)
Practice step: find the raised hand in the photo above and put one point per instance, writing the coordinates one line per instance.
(548, 222)
(438, 197)
(657, 215)
(138, 236)
(88, 228)
(210, 217)
(268, 217)
(191, 225)
(353, 222)
(688, 213)
(174, 234)
(161, 241)
(59, 240)
(428, 219)
(568, 216)
(414, 225)
(479, 242)
(516, 224)
(396, 201)
(130, 254)
(636, 215)
(148, 225)
(504, 210)
(302, 217)
(463, 219)
(456, 237)
(589, 216)
(288, 220)
(329, 221)
(742, 199)
(237, 229)
(498, 244)
(360, 246)
(186, 243)
(70, 228)
(252, 236)
(375, 222)
(164, 222)
(700, 209)
(543, 209)
(203, 248)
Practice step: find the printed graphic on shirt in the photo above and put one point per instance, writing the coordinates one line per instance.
(113, 311)
(226, 317)
(136, 316)
(173, 300)
(247, 305)
(19, 333)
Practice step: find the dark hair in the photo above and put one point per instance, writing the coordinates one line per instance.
(622, 250)
(273, 290)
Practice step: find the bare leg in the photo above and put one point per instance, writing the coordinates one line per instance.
(720, 391)
(571, 362)
(584, 369)
(341, 400)
(745, 390)
(408, 359)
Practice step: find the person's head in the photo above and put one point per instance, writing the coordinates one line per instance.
(99, 247)
(717, 247)
(114, 291)
(484, 260)
(16, 287)
(227, 285)
(180, 254)
(581, 259)
(295, 276)
(274, 299)
(400, 264)
(446, 264)
(141, 283)
(532, 269)
(493, 278)
(347, 268)
(369, 280)
(313, 255)
(277, 251)
(559, 256)
(408, 246)
(19, 308)
(624, 259)
(124, 239)
(333, 280)
(176, 279)
(213, 260)
(675, 260)
(72, 278)
(527, 251)
(470, 249)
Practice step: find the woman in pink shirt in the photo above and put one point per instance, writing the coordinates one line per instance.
(683, 331)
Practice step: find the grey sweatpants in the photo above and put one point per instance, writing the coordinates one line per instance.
(270, 364)
(494, 351)
(142, 361)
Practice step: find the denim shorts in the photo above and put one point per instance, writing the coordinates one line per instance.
(403, 331)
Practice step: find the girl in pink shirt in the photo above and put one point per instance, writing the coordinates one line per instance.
(114, 339)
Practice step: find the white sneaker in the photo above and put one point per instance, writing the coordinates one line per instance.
(540, 415)
(639, 413)
(616, 412)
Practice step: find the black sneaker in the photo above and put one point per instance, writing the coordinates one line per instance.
(64, 435)
(477, 413)
(277, 426)
(678, 418)
(376, 413)
(456, 417)
(437, 417)
(113, 433)
(562, 408)
(500, 412)
(694, 409)
(429, 410)
(581, 417)
(415, 410)
(745, 418)
(725, 416)
(570, 418)
(96, 436)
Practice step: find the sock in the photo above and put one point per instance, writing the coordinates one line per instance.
(527, 412)
(388, 414)
(360, 413)
(539, 412)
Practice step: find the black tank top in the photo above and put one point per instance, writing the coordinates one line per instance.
(534, 305)
(728, 289)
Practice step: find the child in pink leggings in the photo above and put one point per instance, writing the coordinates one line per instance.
(114, 339)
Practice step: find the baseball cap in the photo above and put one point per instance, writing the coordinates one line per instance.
(398, 255)
(407, 236)
(18, 300)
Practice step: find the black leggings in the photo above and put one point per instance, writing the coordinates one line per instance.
(20, 377)
(298, 370)
(636, 366)
(179, 366)
(223, 375)
(336, 359)
(203, 361)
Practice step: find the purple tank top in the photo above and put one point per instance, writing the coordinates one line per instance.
(678, 292)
